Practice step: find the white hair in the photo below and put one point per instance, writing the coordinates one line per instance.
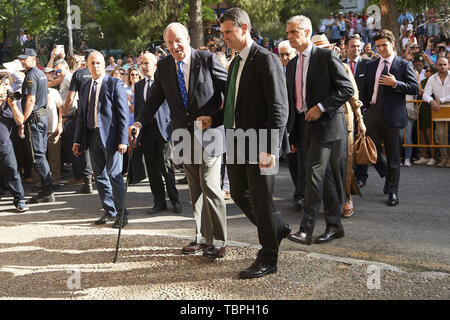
(302, 23)
(285, 44)
(175, 25)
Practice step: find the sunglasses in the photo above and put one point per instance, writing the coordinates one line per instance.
(57, 71)
(134, 74)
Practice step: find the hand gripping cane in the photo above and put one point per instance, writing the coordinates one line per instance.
(133, 135)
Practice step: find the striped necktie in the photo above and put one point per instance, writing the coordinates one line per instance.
(228, 115)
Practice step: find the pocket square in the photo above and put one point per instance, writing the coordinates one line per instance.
(361, 75)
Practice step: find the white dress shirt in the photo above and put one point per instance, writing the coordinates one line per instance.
(440, 90)
(99, 86)
(243, 55)
(306, 57)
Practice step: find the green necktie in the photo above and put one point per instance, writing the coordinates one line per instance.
(228, 117)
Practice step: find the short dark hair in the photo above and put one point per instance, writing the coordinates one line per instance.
(237, 16)
(384, 34)
(353, 37)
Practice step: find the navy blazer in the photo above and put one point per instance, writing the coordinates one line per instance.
(393, 101)
(327, 83)
(112, 112)
(207, 80)
(162, 115)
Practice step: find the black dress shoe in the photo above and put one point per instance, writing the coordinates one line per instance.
(330, 234)
(286, 231)
(157, 209)
(177, 208)
(106, 217)
(257, 270)
(392, 200)
(214, 252)
(301, 237)
(116, 224)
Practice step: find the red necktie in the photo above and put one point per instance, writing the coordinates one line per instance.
(352, 66)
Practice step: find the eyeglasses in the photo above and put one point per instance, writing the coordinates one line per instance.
(283, 55)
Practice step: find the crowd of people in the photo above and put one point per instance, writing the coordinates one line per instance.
(317, 92)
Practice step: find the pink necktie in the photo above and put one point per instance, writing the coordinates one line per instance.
(299, 83)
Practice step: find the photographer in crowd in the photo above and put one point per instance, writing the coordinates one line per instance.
(10, 113)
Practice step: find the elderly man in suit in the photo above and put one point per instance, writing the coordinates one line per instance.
(388, 80)
(155, 137)
(192, 81)
(318, 87)
(256, 101)
(101, 127)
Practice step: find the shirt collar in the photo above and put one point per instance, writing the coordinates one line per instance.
(307, 51)
(390, 59)
(246, 51)
(356, 60)
(99, 79)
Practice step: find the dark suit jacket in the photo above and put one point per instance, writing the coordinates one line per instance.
(393, 101)
(360, 74)
(162, 115)
(207, 81)
(261, 101)
(326, 83)
(112, 112)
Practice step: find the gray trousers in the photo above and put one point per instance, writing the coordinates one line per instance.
(207, 201)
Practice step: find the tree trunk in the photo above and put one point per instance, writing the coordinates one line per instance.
(389, 16)
(196, 23)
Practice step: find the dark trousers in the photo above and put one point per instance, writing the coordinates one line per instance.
(9, 176)
(107, 166)
(325, 176)
(81, 165)
(22, 152)
(296, 163)
(157, 154)
(252, 192)
(39, 145)
(379, 130)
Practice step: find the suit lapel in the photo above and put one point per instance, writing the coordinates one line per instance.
(105, 82)
(395, 66)
(193, 75)
(172, 78)
(244, 75)
(291, 76)
(313, 62)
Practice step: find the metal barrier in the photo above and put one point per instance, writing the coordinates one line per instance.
(442, 115)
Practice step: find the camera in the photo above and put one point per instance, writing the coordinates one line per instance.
(15, 95)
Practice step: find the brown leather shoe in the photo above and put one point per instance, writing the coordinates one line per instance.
(214, 252)
(193, 248)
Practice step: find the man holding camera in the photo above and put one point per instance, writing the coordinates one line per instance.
(9, 113)
(34, 103)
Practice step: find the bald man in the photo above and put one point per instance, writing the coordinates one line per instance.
(101, 127)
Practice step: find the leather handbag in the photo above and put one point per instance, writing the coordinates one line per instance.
(365, 150)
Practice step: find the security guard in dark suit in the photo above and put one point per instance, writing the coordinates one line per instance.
(34, 102)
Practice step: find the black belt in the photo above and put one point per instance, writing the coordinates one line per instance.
(94, 130)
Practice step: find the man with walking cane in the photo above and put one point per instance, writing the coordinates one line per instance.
(102, 123)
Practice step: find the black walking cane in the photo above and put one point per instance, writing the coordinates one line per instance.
(133, 135)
